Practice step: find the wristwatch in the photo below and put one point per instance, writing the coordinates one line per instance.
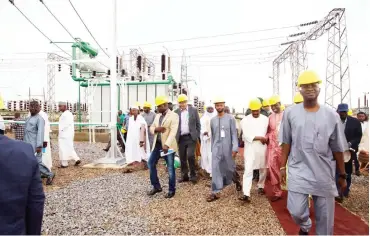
(343, 176)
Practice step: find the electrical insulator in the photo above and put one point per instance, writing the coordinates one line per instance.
(117, 64)
(180, 87)
(140, 78)
(21, 105)
(169, 64)
(174, 86)
(14, 105)
(132, 78)
(149, 70)
(70, 70)
(108, 72)
(9, 106)
(196, 101)
(139, 63)
(59, 67)
(123, 73)
(45, 107)
(94, 73)
(163, 63)
(27, 105)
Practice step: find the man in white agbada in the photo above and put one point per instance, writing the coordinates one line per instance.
(206, 139)
(46, 155)
(254, 128)
(66, 136)
(137, 143)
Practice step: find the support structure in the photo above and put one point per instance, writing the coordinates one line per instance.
(184, 72)
(337, 72)
(337, 89)
(51, 68)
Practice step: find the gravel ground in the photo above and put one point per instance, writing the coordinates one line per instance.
(358, 201)
(98, 201)
(118, 204)
(87, 153)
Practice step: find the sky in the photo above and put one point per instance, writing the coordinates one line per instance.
(237, 67)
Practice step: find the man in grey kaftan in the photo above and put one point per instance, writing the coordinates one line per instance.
(224, 148)
(34, 135)
(312, 142)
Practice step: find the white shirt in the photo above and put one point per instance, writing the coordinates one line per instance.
(364, 125)
(2, 125)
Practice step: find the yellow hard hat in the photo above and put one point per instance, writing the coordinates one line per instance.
(218, 100)
(298, 98)
(308, 77)
(282, 107)
(265, 103)
(274, 99)
(147, 104)
(182, 98)
(160, 100)
(350, 112)
(255, 104)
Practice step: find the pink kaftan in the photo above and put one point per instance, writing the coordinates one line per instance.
(274, 152)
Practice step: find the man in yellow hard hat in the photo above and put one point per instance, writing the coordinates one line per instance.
(273, 147)
(254, 129)
(312, 139)
(164, 128)
(187, 137)
(298, 98)
(265, 110)
(224, 149)
(149, 118)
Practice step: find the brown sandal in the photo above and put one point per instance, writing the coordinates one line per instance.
(212, 197)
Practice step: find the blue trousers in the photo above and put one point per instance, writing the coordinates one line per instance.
(45, 172)
(348, 168)
(152, 165)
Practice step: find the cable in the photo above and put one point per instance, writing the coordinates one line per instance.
(58, 20)
(213, 36)
(243, 59)
(51, 41)
(87, 28)
(239, 64)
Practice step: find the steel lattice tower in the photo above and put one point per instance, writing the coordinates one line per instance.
(51, 68)
(184, 70)
(337, 72)
(337, 89)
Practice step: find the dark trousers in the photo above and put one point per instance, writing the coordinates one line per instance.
(355, 160)
(348, 168)
(119, 139)
(152, 165)
(187, 155)
(2, 132)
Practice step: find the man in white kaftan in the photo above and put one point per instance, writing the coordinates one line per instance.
(206, 139)
(137, 143)
(254, 129)
(66, 136)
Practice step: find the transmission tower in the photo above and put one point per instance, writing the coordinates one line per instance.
(51, 68)
(337, 72)
(184, 70)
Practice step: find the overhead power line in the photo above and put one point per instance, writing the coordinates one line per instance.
(236, 64)
(239, 59)
(213, 36)
(58, 20)
(51, 41)
(87, 28)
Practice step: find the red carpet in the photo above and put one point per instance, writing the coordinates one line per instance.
(345, 223)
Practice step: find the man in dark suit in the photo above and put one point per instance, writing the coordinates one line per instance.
(353, 133)
(21, 193)
(187, 136)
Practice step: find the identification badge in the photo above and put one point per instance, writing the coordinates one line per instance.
(43, 150)
(222, 133)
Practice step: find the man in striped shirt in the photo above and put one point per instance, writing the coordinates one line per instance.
(18, 129)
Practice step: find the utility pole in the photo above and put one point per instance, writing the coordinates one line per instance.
(184, 72)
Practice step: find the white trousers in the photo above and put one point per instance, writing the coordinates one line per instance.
(248, 178)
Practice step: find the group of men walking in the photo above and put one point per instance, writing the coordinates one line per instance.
(36, 131)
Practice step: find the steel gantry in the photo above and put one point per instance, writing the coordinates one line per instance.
(51, 69)
(337, 89)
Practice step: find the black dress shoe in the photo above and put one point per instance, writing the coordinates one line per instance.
(183, 179)
(301, 232)
(170, 195)
(154, 191)
(261, 191)
(339, 199)
(245, 199)
(193, 180)
(50, 179)
(238, 186)
(78, 162)
(63, 167)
